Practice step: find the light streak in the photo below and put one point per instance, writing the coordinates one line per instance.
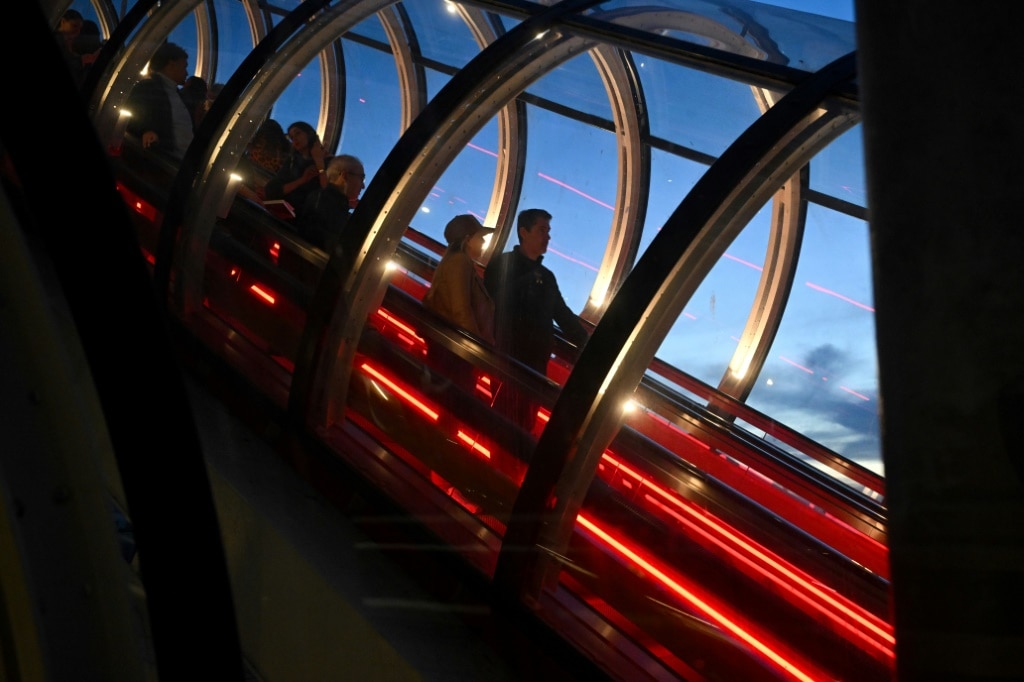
(473, 443)
(855, 393)
(573, 189)
(481, 149)
(572, 260)
(265, 295)
(802, 586)
(397, 322)
(689, 596)
(743, 262)
(840, 297)
(796, 364)
(401, 392)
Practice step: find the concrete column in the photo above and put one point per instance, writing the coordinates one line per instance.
(942, 87)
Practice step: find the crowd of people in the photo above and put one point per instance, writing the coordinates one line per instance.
(514, 304)
(167, 108)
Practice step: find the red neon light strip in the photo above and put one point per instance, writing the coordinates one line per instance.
(265, 295)
(851, 610)
(473, 443)
(877, 547)
(133, 200)
(800, 585)
(703, 606)
(678, 431)
(484, 390)
(398, 323)
(799, 589)
(723, 531)
(401, 392)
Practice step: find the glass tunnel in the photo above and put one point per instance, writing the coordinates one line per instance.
(697, 493)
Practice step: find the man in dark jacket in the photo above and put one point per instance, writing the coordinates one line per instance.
(528, 303)
(324, 216)
(527, 299)
(159, 117)
(325, 211)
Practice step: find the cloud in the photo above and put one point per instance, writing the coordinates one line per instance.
(814, 405)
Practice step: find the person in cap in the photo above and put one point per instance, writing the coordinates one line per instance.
(457, 292)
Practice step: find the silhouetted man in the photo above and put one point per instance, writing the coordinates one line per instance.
(528, 302)
(159, 117)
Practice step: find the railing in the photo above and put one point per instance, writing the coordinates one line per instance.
(702, 549)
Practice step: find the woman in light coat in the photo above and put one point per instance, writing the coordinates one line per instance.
(457, 292)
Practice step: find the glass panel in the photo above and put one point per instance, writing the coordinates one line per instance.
(839, 169)
(435, 397)
(249, 253)
(372, 27)
(300, 101)
(703, 339)
(373, 108)
(507, 23)
(694, 109)
(453, 194)
(436, 80)
(234, 39)
(186, 35)
(466, 185)
(837, 9)
(86, 9)
(575, 84)
(441, 33)
(821, 375)
(578, 189)
(672, 178)
(782, 36)
(673, 536)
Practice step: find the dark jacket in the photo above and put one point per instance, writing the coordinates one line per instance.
(528, 303)
(294, 165)
(151, 110)
(323, 216)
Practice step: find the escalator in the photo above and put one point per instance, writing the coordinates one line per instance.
(712, 543)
